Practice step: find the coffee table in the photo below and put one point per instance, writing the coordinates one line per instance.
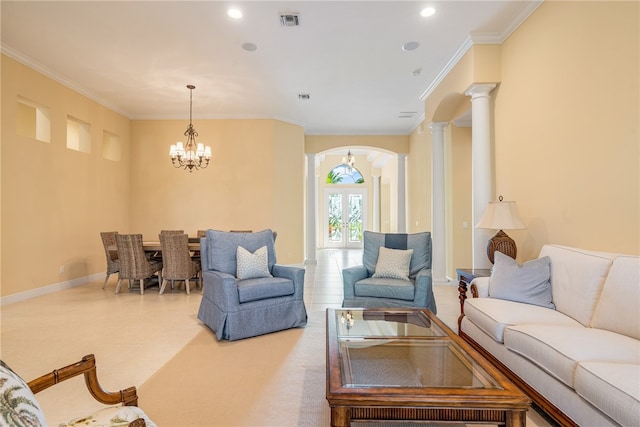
(405, 364)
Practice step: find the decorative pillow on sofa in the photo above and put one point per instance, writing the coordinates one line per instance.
(393, 263)
(18, 403)
(528, 283)
(252, 265)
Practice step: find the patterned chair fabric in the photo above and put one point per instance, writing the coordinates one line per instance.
(241, 308)
(134, 265)
(363, 290)
(176, 261)
(111, 253)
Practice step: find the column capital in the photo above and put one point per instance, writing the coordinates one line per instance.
(437, 125)
(478, 90)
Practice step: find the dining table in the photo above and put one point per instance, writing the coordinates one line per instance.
(154, 245)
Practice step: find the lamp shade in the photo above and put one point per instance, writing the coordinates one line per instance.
(501, 215)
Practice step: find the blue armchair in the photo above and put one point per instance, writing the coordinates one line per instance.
(265, 298)
(363, 289)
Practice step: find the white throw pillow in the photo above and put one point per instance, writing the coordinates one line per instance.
(393, 263)
(528, 283)
(252, 265)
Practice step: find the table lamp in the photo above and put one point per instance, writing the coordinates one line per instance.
(501, 215)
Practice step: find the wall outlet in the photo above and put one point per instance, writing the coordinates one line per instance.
(61, 269)
(465, 225)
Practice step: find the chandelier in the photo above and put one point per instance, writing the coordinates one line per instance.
(191, 155)
(349, 161)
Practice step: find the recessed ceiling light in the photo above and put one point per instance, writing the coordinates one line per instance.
(249, 47)
(410, 46)
(427, 11)
(234, 13)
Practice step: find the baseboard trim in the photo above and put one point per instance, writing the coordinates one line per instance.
(49, 289)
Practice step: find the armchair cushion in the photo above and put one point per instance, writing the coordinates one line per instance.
(263, 288)
(393, 264)
(252, 265)
(23, 408)
(385, 288)
(222, 248)
(419, 242)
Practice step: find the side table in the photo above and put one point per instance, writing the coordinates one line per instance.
(465, 276)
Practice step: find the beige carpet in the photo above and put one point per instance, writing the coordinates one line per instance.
(271, 380)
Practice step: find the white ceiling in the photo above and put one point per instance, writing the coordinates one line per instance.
(136, 57)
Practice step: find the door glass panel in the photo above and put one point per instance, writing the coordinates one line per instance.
(335, 217)
(355, 218)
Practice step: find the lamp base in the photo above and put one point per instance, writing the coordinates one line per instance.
(502, 243)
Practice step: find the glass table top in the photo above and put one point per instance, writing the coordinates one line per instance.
(403, 348)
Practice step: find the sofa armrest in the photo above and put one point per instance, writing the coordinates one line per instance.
(480, 287)
(295, 274)
(86, 367)
(349, 278)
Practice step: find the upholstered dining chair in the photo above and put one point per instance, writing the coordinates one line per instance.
(246, 293)
(176, 261)
(134, 265)
(396, 272)
(111, 253)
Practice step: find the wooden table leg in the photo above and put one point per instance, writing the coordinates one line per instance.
(516, 419)
(340, 416)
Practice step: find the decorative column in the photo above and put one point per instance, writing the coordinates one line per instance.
(482, 175)
(311, 210)
(376, 203)
(402, 196)
(438, 217)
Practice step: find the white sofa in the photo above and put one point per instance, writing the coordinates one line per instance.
(579, 362)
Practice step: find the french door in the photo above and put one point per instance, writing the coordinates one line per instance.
(345, 213)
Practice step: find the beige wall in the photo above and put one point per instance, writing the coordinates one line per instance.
(55, 204)
(567, 115)
(55, 201)
(566, 138)
(255, 181)
(419, 181)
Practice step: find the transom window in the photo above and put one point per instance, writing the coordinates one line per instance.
(343, 174)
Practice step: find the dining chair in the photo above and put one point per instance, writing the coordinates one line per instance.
(171, 231)
(176, 261)
(134, 265)
(111, 253)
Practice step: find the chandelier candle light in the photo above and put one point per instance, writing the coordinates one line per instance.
(501, 215)
(349, 161)
(192, 155)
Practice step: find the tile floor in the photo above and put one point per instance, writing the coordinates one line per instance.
(133, 335)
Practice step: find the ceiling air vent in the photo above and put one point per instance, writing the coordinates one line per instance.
(290, 20)
(304, 96)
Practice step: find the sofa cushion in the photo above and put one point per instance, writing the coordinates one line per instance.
(494, 315)
(252, 265)
(419, 242)
(113, 416)
(222, 248)
(528, 283)
(612, 387)
(558, 349)
(620, 294)
(577, 277)
(393, 264)
(385, 288)
(263, 288)
(18, 401)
